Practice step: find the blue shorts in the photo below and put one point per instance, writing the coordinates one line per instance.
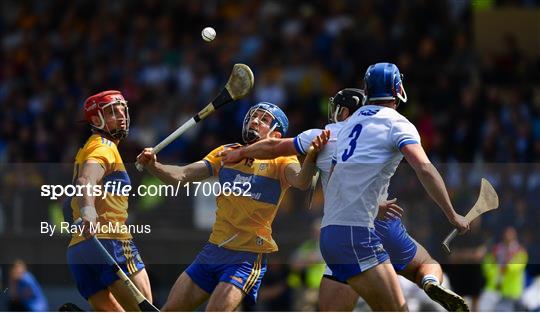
(90, 270)
(397, 242)
(214, 264)
(351, 250)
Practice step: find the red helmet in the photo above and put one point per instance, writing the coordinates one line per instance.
(95, 105)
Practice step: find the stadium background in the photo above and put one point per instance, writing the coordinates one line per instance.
(472, 72)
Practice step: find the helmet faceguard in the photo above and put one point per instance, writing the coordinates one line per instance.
(101, 105)
(350, 98)
(279, 122)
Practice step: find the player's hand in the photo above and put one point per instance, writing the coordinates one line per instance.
(89, 218)
(388, 209)
(231, 155)
(320, 141)
(461, 223)
(147, 157)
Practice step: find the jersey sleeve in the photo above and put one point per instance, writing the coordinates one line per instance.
(403, 133)
(304, 139)
(212, 161)
(283, 162)
(102, 154)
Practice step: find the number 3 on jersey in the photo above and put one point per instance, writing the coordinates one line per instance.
(354, 135)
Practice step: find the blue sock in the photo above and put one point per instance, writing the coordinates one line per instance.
(429, 279)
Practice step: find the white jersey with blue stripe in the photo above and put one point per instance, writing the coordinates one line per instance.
(324, 158)
(366, 155)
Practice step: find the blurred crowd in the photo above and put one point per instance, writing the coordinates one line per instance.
(471, 107)
(467, 105)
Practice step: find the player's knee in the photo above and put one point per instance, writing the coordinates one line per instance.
(142, 281)
(324, 303)
(336, 297)
(430, 264)
(422, 257)
(104, 301)
(228, 305)
(225, 298)
(147, 293)
(336, 305)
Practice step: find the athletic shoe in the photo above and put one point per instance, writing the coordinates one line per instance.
(451, 301)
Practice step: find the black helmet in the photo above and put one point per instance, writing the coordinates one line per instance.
(350, 98)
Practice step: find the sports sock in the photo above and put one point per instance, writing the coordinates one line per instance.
(429, 279)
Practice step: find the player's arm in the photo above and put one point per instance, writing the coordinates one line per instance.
(271, 148)
(266, 149)
(90, 174)
(433, 183)
(173, 174)
(301, 176)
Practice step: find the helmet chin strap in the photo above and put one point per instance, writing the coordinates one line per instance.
(402, 97)
(101, 121)
(336, 113)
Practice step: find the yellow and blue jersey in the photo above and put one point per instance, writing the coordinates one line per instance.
(113, 207)
(244, 223)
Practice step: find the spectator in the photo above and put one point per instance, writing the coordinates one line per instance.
(504, 268)
(25, 293)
